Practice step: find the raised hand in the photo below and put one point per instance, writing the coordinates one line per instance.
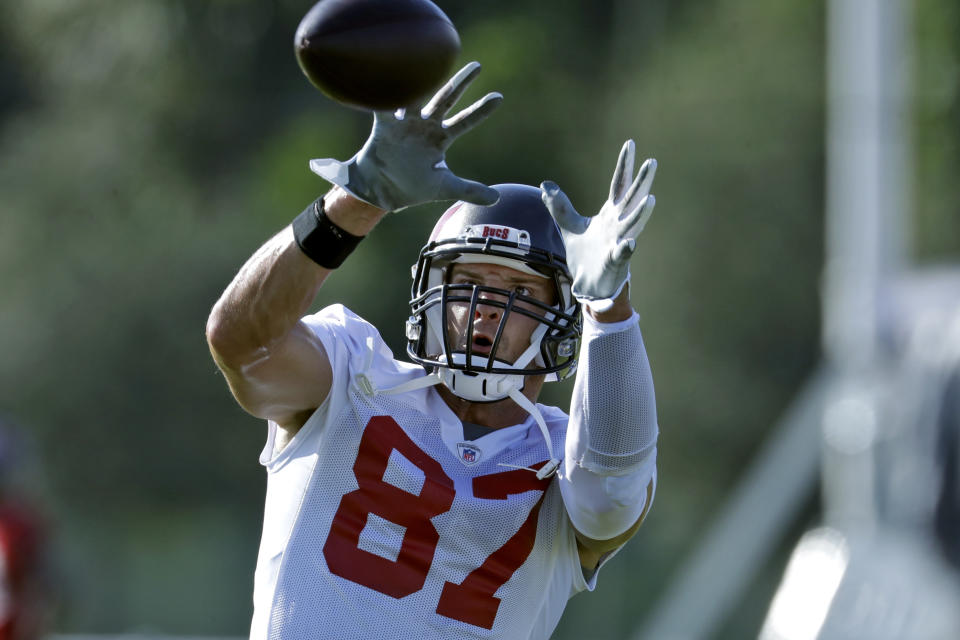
(599, 248)
(403, 161)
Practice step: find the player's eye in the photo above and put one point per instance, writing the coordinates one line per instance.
(522, 290)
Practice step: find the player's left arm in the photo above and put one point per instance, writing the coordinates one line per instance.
(608, 477)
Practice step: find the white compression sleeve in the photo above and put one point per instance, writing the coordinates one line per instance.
(609, 467)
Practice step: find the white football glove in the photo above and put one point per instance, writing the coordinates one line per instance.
(402, 163)
(599, 248)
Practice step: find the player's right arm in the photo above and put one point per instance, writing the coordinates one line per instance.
(275, 365)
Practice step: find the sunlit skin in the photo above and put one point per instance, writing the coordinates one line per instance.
(486, 320)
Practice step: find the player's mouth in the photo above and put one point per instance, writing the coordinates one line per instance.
(482, 344)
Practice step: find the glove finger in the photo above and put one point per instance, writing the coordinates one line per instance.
(330, 170)
(561, 209)
(624, 171)
(472, 115)
(454, 188)
(623, 251)
(449, 93)
(641, 185)
(636, 220)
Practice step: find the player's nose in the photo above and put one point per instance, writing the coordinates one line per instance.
(486, 308)
(486, 312)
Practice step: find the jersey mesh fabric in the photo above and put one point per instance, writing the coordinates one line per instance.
(304, 598)
(607, 406)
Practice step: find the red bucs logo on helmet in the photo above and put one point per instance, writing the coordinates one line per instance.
(498, 232)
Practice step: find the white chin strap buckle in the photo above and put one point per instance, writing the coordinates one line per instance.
(548, 469)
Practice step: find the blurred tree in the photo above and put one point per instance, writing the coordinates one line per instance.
(936, 105)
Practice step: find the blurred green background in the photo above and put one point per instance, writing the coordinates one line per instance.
(147, 148)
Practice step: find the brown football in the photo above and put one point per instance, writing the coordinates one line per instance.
(376, 54)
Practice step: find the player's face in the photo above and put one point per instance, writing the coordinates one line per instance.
(486, 317)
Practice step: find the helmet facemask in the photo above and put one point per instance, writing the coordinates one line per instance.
(489, 376)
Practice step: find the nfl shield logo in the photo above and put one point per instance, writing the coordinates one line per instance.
(469, 453)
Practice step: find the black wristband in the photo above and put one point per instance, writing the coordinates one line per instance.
(320, 239)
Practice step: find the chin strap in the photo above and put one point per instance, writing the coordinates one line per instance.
(368, 387)
(550, 468)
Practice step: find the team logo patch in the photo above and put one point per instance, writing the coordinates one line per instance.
(469, 453)
(520, 236)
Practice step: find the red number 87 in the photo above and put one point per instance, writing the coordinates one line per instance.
(471, 601)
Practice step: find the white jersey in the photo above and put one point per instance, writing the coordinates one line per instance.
(382, 521)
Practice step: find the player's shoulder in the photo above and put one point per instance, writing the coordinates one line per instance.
(340, 323)
(352, 341)
(338, 316)
(555, 417)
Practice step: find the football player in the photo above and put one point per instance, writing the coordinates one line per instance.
(437, 499)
